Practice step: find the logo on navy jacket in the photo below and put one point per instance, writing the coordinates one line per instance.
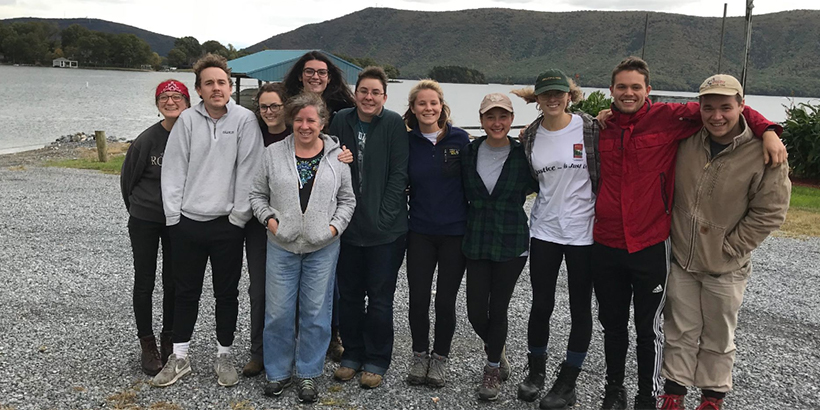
(577, 152)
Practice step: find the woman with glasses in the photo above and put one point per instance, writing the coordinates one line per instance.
(438, 219)
(304, 196)
(316, 73)
(560, 147)
(140, 184)
(497, 180)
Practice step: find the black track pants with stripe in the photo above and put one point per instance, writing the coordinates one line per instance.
(620, 277)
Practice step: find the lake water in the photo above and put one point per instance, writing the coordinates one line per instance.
(42, 104)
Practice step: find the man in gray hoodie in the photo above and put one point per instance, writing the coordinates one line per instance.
(212, 154)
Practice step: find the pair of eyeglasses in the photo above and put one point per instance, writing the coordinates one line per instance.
(375, 93)
(175, 97)
(310, 71)
(272, 107)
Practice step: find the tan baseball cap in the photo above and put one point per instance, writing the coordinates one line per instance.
(722, 84)
(493, 100)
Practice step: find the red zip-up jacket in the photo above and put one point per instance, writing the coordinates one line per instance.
(638, 151)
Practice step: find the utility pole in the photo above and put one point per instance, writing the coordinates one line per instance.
(645, 29)
(745, 75)
(722, 33)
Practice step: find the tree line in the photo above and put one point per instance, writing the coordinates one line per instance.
(38, 43)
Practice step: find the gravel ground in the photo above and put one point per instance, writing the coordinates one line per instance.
(70, 340)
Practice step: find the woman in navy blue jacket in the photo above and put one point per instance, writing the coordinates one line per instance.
(438, 218)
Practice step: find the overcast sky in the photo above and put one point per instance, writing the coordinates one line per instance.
(246, 22)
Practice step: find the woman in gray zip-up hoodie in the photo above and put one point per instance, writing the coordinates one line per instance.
(304, 196)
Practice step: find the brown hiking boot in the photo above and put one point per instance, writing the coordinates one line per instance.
(149, 358)
(344, 373)
(166, 346)
(370, 380)
(490, 384)
(253, 368)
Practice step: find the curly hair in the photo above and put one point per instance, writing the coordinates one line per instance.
(410, 118)
(528, 94)
(336, 96)
(211, 60)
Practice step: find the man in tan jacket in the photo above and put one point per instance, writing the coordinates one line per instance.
(726, 203)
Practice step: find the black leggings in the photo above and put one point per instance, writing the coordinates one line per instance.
(490, 287)
(545, 261)
(145, 240)
(424, 252)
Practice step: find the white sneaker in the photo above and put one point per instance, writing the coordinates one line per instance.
(225, 371)
(174, 369)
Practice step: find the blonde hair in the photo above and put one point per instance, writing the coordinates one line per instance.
(410, 118)
(528, 94)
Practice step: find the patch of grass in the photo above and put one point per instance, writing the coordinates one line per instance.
(800, 223)
(805, 198)
(2, 407)
(88, 159)
(123, 400)
(113, 166)
(164, 405)
(15, 168)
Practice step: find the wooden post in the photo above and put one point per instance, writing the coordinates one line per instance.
(102, 149)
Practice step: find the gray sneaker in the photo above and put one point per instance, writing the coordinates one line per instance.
(419, 365)
(226, 373)
(504, 365)
(173, 370)
(437, 374)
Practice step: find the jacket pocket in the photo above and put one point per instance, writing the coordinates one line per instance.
(708, 254)
(649, 152)
(451, 162)
(317, 228)
(288, 228)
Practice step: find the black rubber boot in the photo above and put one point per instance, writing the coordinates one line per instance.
(149, 356)
(562, 394)
(532, 385)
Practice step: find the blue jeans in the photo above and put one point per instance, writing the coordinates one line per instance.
(307, 279)
(367, 331)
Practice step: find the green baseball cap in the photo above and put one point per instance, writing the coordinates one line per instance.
(553, 79)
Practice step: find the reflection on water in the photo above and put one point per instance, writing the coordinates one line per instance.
(41, 104)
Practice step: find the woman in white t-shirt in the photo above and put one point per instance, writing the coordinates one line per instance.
(561, 149)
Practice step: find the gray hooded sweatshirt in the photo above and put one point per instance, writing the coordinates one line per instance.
(275, 193)
(209, 164)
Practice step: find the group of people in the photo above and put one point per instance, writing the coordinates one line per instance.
(647, 196)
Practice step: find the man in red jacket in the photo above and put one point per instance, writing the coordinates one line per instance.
(632, 220)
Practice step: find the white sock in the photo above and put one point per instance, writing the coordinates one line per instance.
(222, 349)
(181, 349)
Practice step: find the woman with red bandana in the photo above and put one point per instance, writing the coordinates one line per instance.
(140, 184)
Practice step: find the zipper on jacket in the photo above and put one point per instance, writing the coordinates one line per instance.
(622, 139)
(664, 197)
(214, 124)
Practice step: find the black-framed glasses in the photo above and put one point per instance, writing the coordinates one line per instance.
(310, 71)
(375, 93)
(174, 97)
(272, 107)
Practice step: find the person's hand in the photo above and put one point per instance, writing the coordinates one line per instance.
(273, 226)
(774, 152)
(603, 115)
(333, 231)
(346, 156)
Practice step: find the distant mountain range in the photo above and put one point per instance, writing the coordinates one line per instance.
(514, 45)
(159, 43)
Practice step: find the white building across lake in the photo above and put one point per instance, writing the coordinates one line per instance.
(63, 62)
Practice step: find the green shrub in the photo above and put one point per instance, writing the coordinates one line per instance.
(594, 103)
(801, 135)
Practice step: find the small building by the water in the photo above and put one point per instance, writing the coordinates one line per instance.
(63, 62)
(273, 65)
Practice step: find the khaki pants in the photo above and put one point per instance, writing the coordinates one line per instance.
(700, 318)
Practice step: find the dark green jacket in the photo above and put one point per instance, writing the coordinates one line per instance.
(497, 224)
(381, 202)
